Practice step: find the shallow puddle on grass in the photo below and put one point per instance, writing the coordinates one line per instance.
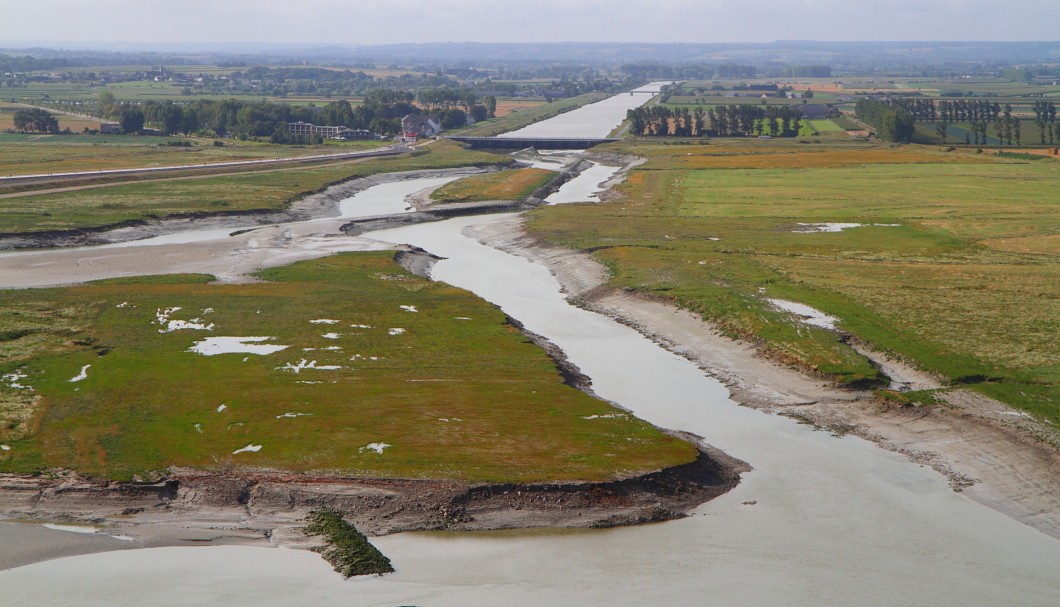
(212, 346)
(806, 314)
(838, 227)
(82, 375)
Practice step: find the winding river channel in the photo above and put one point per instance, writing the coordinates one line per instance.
(821, 520)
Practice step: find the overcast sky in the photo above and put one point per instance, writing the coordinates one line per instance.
(391, 21)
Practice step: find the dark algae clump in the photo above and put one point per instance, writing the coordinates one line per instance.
(345, 548)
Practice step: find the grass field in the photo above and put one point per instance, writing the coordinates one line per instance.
(25, 154)
(508, 106)
(966, 283)
(676, 102)
(828, 129)
(955, 134)
(825, 126)
(36, 92)
(412, 379)
(997, 88)
(99, 207)
(74, 123)
(514, 184)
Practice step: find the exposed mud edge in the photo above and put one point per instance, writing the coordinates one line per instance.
(416, 261)
(665, 495)
(261, 506)
(571, 373)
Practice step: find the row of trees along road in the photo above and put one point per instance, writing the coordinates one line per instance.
(979, 115)
(723, 121)
(35, 120)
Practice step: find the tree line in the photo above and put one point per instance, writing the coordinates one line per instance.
(35, 120)
(719, 121)
(747, 120)
(244, 119)
(1045, 120)
(27, 63)
(659, 120)
(980, 115)
(381, 112)
(891, 123)
(648, 71)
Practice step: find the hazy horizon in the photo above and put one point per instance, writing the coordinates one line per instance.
(154, 23)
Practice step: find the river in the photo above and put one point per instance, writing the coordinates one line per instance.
(590, 121)
(820, 521)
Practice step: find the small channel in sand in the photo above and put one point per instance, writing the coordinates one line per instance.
(386, 198)
(585, 187)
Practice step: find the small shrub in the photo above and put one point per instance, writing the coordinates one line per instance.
(916, 398)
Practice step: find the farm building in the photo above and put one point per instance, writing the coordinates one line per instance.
(419, 125)
(816, 111)
(332, 132)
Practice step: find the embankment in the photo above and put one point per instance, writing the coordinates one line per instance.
(190, 507)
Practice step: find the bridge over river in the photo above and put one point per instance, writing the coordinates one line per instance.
(541, 143)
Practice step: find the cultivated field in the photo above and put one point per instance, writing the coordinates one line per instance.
(953, 263)
(381, 374)
(508, 106)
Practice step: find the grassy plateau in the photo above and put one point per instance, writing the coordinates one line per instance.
(514, 184)
(383, 374)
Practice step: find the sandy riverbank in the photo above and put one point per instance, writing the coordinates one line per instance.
(994, 454)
